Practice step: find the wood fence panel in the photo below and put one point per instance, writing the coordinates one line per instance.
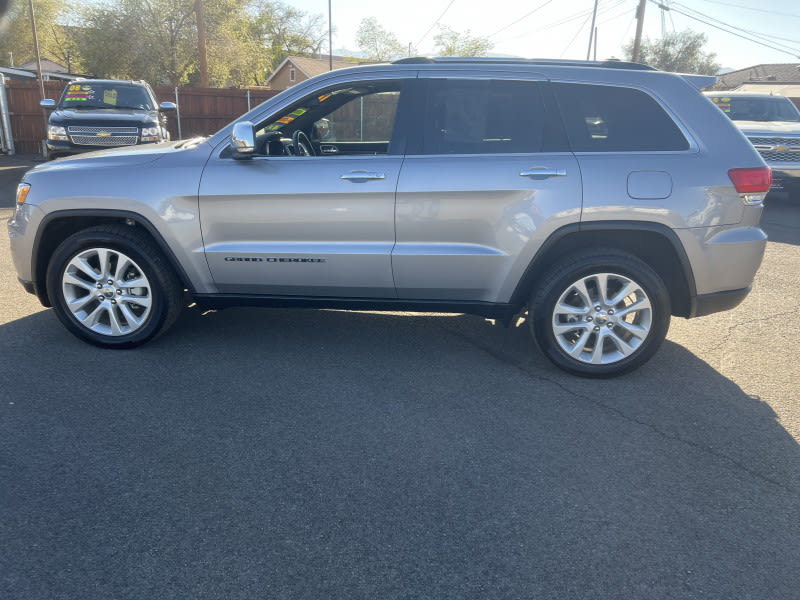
(203, 110)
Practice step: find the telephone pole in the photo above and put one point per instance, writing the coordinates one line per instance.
(637, 42)
(201, 41)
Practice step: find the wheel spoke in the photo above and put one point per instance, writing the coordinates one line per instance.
(579, 346)
(597, 351)
(103, 257)
(626, 291)
(72, 279)
(122, 265)
(133, 321)
(642, 304)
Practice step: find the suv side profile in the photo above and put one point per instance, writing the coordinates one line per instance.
(95, 114)
(597, 198)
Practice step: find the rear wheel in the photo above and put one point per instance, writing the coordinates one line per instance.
(600, 314)
(112, 287)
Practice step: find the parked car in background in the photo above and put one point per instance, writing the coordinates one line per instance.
(597, 198)
(772, 124)
(94, 114)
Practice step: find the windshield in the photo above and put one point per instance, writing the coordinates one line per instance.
(752, 108)
(93, 96)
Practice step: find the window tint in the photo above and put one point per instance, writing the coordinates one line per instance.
(354, 119)
(368, 118)
(483, 117)
(615, 119)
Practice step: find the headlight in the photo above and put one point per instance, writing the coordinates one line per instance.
(57, 133)
(151, 134)
(22, 192)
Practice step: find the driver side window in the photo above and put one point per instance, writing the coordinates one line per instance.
(355, 119)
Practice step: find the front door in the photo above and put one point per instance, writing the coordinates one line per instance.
(313, 213)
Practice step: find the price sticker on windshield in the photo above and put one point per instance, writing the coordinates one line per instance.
(110, 97)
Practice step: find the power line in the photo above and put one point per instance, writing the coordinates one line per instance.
(762, 10)
(435, 23)
(727, 27)
(522, 18)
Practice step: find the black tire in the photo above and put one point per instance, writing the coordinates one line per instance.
(594, 333)
(111, 286)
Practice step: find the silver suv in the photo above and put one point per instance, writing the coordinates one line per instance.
(597, 198)
(772, 124)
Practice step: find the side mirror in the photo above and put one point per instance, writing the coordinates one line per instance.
(48, 103)
(243, 140)
(167, 106)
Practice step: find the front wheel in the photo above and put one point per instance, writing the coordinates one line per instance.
(600, 314)
(112, 287)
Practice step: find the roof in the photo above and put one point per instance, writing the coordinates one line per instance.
(767, 73)
(311, 67)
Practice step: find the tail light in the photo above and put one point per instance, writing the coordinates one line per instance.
(751, 183)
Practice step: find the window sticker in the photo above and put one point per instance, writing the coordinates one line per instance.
(76, 93)
(299, 112)
(110, 97)
(286, 120)
(274, 127)
(324, 97)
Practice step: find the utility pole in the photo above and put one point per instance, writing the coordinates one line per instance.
(201, 41)
(36, 48)
(330, 38)
(591, 31)
(637, 42)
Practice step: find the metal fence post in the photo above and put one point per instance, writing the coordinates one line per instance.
(6, 139)
(178, 110)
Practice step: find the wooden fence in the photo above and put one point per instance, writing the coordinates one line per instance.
(202, 110)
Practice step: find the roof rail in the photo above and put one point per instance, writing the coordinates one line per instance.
(605, 64)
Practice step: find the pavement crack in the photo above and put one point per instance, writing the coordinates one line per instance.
(732, 328)
(509, 360)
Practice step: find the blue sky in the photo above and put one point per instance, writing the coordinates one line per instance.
(560, 28)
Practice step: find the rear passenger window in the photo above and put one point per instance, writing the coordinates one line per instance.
(616, 119)
(484, 117)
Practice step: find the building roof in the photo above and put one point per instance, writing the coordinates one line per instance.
(788, 73)
(311, 67)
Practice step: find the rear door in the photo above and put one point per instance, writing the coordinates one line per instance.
(490, 177)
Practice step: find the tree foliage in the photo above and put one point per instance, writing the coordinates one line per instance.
(453, 43)
(54, 37)
(680, 52)
(376, 43)
(156, 40)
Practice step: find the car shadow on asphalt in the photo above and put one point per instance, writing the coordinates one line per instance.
(434, 445)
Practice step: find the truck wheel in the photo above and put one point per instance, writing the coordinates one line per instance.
(112, 287)
(600, 314)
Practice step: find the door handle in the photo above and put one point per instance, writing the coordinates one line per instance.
(362, 176)
(543, 172)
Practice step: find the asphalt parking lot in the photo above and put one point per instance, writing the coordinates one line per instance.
(267, 453)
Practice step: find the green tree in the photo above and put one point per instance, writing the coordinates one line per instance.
(17, 37)
(376, 42)
(285, 31)
(453, 43)
(680, 52)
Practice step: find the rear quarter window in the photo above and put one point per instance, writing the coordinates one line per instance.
(602, 118)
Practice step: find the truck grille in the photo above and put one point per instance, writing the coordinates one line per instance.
(777, 149)
(104, 136)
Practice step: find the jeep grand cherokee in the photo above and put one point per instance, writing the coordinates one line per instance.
(599, 199)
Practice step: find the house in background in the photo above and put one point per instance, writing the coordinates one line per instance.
(295, 69)
(781, 79)
(27, 72)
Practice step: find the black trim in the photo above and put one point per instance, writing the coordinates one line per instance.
(502, 312)
(29, 286)
(108, 214)
(658, 228)
(707, 304)
(523, 287)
